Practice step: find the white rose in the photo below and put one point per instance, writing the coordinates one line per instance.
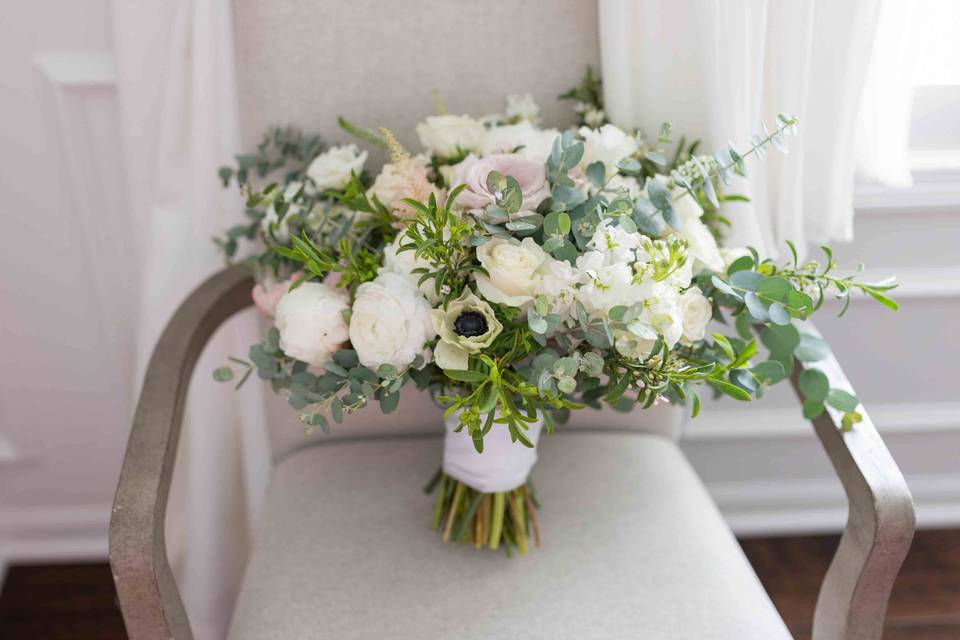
(535, 143)
(696, 311)
(332, 168)
(282, 230)
(389, 323)
(403, 263)
(522, 108)
(609, 144)
(512, 268)
(701, 244)
(310, 322)
(447, 135)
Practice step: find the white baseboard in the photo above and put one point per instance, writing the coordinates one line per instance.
(54, 534)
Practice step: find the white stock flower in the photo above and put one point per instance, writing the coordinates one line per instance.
(446, 135)
(663, 314)
(609, 144)
(310, 322)
(558, 283)
(390, 322)
(607, 284)
(632, 346)
(619, 244)
(332, 168)
(696, 311)
(512, 270)
(403, 263)
(522, 107)
(535, 143)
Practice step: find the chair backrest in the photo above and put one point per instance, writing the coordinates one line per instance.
(378, 63)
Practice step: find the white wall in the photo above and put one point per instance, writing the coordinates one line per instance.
(66, 349)
(65, 319)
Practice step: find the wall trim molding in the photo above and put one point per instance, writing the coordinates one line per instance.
(787, 422)
(793, 507)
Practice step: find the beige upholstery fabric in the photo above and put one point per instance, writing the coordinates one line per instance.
(633, 548)
(378, 61)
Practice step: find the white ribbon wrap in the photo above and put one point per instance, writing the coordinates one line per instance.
(503, 465)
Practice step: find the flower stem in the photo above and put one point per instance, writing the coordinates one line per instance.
(457, 495)
(496, 524)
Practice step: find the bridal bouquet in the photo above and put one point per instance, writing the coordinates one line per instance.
(519, 273)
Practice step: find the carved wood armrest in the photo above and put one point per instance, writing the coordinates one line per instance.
(148, 595)
(853, 597)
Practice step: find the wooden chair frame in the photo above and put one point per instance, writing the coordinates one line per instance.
(853, 597)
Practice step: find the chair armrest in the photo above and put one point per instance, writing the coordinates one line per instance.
(148, 595)
(853, 598)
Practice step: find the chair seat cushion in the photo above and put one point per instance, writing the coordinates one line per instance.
(632, 546)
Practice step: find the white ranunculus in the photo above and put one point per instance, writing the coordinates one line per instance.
(446, 135)
(310, 322)
(523, 107)
(696, 311)
(390, 322)
(512, 270)
(558, 283)
(534, 143)
(609, 144)
(282, 230)
(332, 168)
(403, 263)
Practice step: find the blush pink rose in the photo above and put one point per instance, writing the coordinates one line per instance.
(473, 172)
(267, 294)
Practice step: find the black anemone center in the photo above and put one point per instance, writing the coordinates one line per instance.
(470, 324)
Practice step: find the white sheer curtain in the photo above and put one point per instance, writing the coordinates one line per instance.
(180, 121)
(715, 68)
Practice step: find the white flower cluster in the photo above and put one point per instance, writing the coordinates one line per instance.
(393, 318)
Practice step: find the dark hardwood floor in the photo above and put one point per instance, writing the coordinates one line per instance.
(53, 602)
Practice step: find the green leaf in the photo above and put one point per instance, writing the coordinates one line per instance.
(814, 385)
(778, 314)
(811, 348)
(812, 409)
(747, 280)
(346, 358)
(725, 346)
(731, 390)
(775, 288)
(223, 374)
(755, 306)
(842, 400)
(882, 299)
(769, 372)
(742, 263)
(780, 339)
(336, 410)
(387, 370)
(596, 173)
(336, 369)
(465, 376)
(389, 401)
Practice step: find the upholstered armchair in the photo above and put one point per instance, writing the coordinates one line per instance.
(332, 563)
